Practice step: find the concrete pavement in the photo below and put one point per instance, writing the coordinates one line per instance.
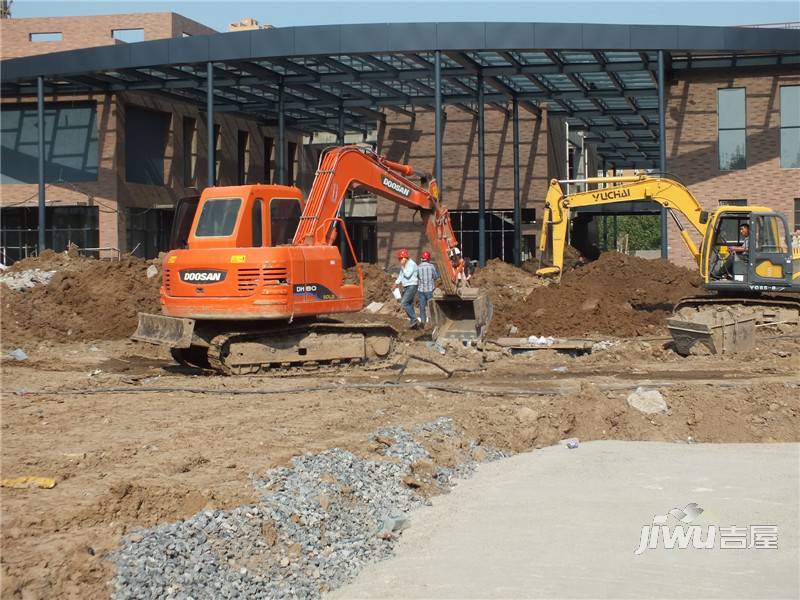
(562, 523)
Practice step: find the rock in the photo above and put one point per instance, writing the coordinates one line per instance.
(590, 304)
(18, 354)
(152, 271)
(512, 329)
(526, 414)
(374, 307)
(647, 401)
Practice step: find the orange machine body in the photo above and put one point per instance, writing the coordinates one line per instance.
(259, 252)
(236, 277)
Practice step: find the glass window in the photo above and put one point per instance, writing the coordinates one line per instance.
(284, 216)
(258, 223)
(218, 217)
(790, 127)
(770, 234)
(797, 214)
(736, 202)
(732, 122)
(189, 152)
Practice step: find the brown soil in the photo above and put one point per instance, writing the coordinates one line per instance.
(377, 283)
(86, 299)
(140, 457)
(505, 284)
(616, 295)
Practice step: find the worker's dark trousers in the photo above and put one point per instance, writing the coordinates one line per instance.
(407, 302)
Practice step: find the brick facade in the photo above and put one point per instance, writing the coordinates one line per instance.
(692, 152)
(111, 192)
(88, 32)
(412, 141)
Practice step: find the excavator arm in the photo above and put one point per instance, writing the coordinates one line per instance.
(666, 192)
(342, 167)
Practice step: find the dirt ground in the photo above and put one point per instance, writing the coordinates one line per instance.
(167, 442)
(134, 440)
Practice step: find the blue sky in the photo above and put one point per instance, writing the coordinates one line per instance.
(218, 14)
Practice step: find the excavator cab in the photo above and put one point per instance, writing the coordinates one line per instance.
(768, 264)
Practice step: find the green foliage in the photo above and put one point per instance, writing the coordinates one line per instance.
(644, 231)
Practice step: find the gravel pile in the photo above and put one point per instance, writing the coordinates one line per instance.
(23, 280)
(317, 524)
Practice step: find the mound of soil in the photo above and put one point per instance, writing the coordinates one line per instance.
(616, 295)
(377, 283)
(87, 299)
(505, 284)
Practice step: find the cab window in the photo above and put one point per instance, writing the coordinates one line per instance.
(771, 235)
(258, 229)
(284, 216)
(218, 217)
(728, 230)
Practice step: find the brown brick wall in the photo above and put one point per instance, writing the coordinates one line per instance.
(692, 152)
(87, 32)
(112, 193)
(412, 141)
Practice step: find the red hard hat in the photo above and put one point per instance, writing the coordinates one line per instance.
(403, 253)
(426, 255)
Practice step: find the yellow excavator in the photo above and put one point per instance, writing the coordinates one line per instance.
(753, 272)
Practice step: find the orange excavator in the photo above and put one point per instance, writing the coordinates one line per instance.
(258, 270)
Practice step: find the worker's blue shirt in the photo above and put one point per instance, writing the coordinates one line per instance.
(409, 274)
(428, 275)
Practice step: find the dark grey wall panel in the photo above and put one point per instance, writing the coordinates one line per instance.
(460, 36)
(605, 37)
(230, 47)
(70, 134)
(398, 37)
(411, 36)
(146, 133)
(272, 42)
(509, 36)
(701, 38)
(364, 38)
(557, 35)
(654, 37)
(189, 50)
(317, 40)
(152, 53)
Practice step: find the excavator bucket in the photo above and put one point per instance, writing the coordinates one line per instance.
(463, 317)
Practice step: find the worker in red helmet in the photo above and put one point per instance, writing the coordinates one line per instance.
(427, 275)
(408, 279)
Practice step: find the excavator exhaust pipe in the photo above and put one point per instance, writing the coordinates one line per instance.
(462, 317)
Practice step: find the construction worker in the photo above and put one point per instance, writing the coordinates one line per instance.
(408, 279)
(428, 275)
(726, 269)
(461, 266)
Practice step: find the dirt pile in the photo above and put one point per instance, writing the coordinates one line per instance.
(377, 283)
(616, 295)
(505, 284)
(86, 299)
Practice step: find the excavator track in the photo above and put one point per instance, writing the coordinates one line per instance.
(765, 309)
(306, 348)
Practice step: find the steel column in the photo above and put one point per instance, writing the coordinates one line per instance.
(40, 117)
(340, 126)
(212, 159)
(437, 76)
(281, 154)
(343, 250)
(517, 197)
(662, 147)
(481, 176)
